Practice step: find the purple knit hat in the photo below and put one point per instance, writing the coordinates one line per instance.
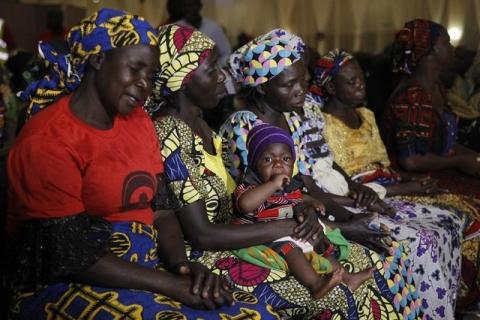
(261, 136)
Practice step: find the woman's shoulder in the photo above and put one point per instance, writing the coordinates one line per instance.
(241, 117)
(411, 95)
(238, 119)
(312, 109)
(366, 113)
(51, 124)
(168, 122)
(42, 118)
(138, 121)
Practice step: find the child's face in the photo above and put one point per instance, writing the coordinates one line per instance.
(276, 159)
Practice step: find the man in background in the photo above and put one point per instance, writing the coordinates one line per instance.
(56, 32)
(187, 13)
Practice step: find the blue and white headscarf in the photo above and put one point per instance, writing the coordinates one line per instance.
(103, 31)
(264, 57)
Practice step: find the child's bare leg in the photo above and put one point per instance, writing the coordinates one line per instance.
(302, 270)
(352, 280)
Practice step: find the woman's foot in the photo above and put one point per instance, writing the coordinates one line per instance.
(354, 280)
(326, 283)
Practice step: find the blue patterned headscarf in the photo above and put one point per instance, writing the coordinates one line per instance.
(264, 57)
(103, 31)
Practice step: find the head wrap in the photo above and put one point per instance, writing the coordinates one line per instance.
(413, 42)
(263, 135)
(103, 31)
(326, 68)
(264, 57)
(182, 50)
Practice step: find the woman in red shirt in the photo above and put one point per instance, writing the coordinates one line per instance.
(83, 173)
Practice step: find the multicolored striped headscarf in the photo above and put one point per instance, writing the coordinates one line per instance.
(326, 68)
(265, 57)
(103, 31)
(263, 135)
(182, 50)
(414, 41)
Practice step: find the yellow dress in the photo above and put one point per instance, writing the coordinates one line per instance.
(362, 150)
(356, 150)
(192, 173)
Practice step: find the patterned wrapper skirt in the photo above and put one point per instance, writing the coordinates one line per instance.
(133, 242)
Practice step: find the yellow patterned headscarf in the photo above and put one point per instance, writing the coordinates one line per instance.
(103, 31)
(182, 50)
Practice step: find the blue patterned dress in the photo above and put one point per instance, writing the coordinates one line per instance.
(136, 243)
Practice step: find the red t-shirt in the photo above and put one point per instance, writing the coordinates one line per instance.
(60, 166)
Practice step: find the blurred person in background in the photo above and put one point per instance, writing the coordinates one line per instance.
(187, 13)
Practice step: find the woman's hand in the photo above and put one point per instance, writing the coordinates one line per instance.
(280, 181)
(308, 227)
(469, 163)
(204, 282)
(182, 292)
(384, 209)
(316, 204)
(358, 230)
(112, 271)
(320, 244)
(363, 196)
(421, 186)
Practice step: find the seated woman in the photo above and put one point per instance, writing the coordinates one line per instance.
(202, 188)
(355, 142)
(418, 125)
(84, 244)
(463, 95)
(420, 130)
(268, 192)
(358, 149)
(275, 95)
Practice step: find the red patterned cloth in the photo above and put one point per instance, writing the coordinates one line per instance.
(278, 206)
(414, 41)
(412, 126)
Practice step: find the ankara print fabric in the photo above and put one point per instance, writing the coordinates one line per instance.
(384, 297)
(186, 172)
(182, 50)
(103, 31)
(432, 225)
(136, 243)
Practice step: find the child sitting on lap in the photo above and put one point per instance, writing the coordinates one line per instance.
(268, 192)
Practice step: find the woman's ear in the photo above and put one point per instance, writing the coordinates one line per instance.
(330, 88)
(260, 89)
(96, 60)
